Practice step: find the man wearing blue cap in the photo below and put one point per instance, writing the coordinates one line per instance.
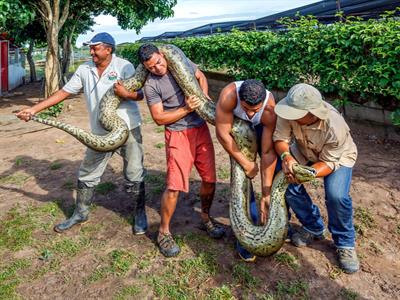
(96, 78)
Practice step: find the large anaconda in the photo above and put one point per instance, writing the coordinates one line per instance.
(260, 240)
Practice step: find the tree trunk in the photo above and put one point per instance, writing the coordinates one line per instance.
(50, 12)
(31, 62)
(66, 56)
(52, 66)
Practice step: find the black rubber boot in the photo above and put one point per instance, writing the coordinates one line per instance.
(84, 198)
(139, 199)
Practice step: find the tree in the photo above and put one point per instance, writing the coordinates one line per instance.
(54, 14)
(20, 22)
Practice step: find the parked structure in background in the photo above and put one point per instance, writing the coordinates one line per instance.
(325, 11)
(12, 65)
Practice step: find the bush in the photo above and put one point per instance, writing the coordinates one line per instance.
(353, 60)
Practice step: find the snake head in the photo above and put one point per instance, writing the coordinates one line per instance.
(304, 173)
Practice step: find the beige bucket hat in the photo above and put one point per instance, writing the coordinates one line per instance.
(301, 99)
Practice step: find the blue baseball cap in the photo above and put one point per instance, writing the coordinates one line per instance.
(100, 38)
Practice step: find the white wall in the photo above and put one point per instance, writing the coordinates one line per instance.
(15, 76)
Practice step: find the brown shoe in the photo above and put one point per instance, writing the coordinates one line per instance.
(167, 245)
(213, 229)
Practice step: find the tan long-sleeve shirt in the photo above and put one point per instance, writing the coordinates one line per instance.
(327, 140)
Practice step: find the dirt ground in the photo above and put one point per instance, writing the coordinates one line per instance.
(103, 260)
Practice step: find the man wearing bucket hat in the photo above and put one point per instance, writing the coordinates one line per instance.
(96, 77)
(321, 139)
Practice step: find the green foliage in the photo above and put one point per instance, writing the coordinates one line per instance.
(292, 290)
(287, 259)
(9, 278)
(220, 293)
(56, 165)
(242, 274)
(105, 187)
(13, 13)
(53, 111)
(357, 61)
(15, 179)
(348, 294)
(159, 145)
(395, 117)
(364, 220)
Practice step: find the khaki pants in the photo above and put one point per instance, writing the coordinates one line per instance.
(95, 163)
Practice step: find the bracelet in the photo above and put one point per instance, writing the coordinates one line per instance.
(284, 154)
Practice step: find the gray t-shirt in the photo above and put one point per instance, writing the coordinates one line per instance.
(166, 90)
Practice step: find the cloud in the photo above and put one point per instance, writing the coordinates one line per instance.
(191, 14)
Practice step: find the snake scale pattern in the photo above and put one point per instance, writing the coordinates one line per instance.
(260, 240)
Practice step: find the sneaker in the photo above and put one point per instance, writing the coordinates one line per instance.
(167, 245)
(244, 255)
(348, 260)
(302, 237)
(213, 229)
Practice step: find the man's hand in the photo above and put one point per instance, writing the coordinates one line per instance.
(192, 102)
(251, 169)
(287, 167)
(26, 114)
(120, 90)
(264, 209)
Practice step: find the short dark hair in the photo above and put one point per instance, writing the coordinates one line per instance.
(252, 91)
(146, 51)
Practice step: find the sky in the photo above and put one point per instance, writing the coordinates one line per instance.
(189, 14)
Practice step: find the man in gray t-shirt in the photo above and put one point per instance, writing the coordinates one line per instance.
(166, 90)
(187, 142)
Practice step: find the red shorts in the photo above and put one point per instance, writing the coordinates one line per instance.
(185, 148)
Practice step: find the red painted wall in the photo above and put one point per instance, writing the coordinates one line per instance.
(4, 65)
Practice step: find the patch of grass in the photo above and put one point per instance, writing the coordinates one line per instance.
(348, 294)
(200, 239)
(148, 120)
(121, 261)
(50, 208)
(17, 179)
(220, 293)
(56, 165)
(68, 185)
(97, 274)
(66, 247)
(200, 267)
(159, 145)
(287, 259)
(9, 278)
(157, 183)
(105, 187)
(224, 173)
(51, 265)
(128, 291)
(155, 179)
(241, 273)
(363, 220)
(118, 263)
(293, 289)
(159, 129)
(16, 229)
(185, 279)
(19, 161)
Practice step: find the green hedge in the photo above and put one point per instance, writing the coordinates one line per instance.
(353, 60)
